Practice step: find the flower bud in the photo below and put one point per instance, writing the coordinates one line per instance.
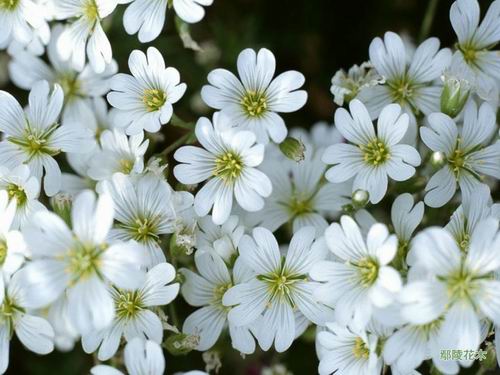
(455, 94)
(62, 203)
(360, 198)
(437, 159)
(181, 343)
(293, 149)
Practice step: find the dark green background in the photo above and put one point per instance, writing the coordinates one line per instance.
(316, 37)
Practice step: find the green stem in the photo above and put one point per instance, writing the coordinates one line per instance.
(173, 315)
(428, 19)
(185, 139)
(179, 123)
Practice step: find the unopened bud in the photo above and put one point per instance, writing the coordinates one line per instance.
(62, 203)
(437, 159)
(181, 343)
(455, 94)
(293, 149)
(360, 198)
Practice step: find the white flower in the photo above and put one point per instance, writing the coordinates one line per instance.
(148, 17)
(300, 194)
(144, 210)
(223, 239)
(134, 315)
(34, 332)
(411, 344)
(410, 78)
(348, 351)
(79, 88)
(142, 357)
(470, 213)
(20, 21)
(347, 85)
(474, 58)
(460, 286)
(84, 35)
(79, 262)
(281, 287)
(24, 188)
(118, 154)
(34, 137)
(206, 290)
(12, 247)
(468, 156)
(144, 99)
(227, 160)
(359, 279)
(254, 103)
(373, 155)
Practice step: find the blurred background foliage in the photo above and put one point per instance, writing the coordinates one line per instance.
(316, 37)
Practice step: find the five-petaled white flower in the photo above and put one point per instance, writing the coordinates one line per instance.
(24, 188)
(410, 77)
(474, 59)
(34, 137)
(373, 155)
(280, 288)
(20, 21)
(144, 210)
(468, 155)
(79, 262)
(227, 160)
(254, 103)
(461, 285)
(134, 315)
(34, 332)
(144, 99)
(360, 279)
(79, 88)
(206, 290)
(84, 35)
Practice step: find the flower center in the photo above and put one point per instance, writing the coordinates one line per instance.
(457, 161)
(154, 99)
(3, 251)
(254, 103)
(9, 5)
(128, 304)
(360, 350)
(375, 152)
(401, 90)
(219, 292)
(228, 166)
(300, 205)
(469, 53)
(461, 285)
(91, 10)
(17, 192)
(126, 166)
(368, 271)
(35, 143)
(70, 85)
(143, 229)
(281, 284)
(83, 261)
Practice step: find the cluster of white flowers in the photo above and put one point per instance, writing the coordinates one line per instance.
(95, 242)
